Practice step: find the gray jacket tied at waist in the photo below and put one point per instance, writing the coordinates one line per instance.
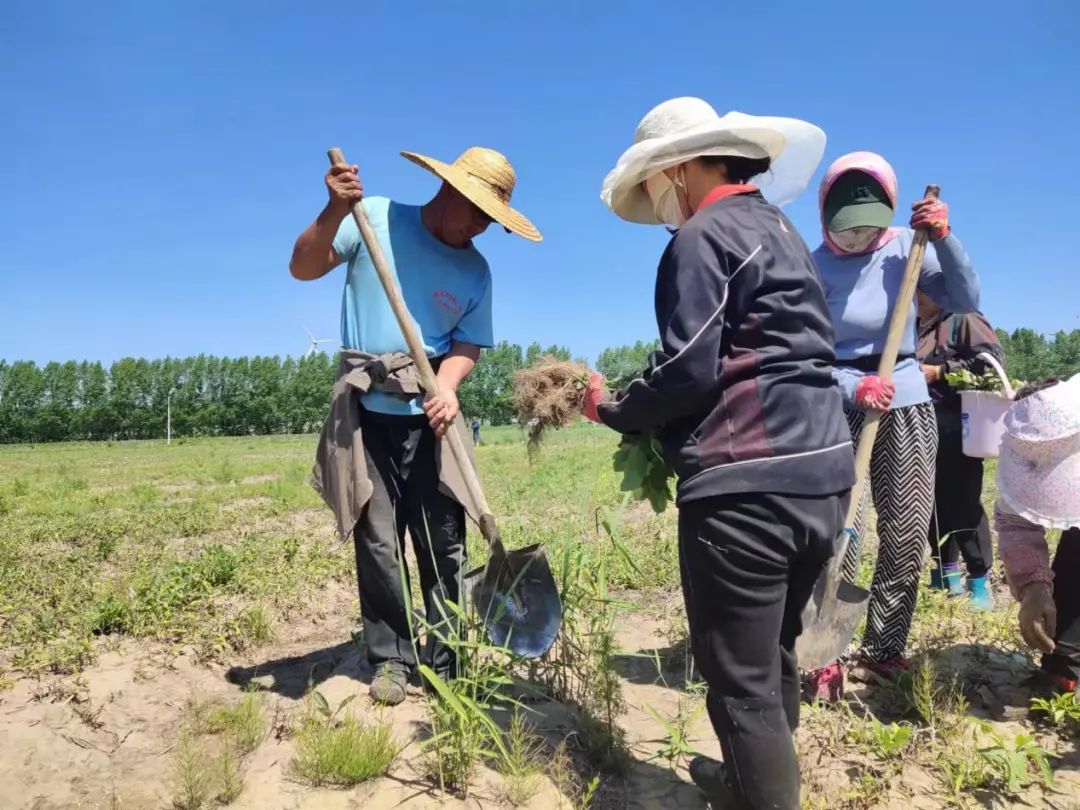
(340, 475)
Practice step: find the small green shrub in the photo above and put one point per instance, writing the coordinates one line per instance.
(521, 768)
(342, 751)
(110, 615)
(219, 565)
(243, 723)
(192, 772)
(256, 624)
(229, 778)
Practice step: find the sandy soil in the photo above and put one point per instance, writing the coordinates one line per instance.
(104, 739)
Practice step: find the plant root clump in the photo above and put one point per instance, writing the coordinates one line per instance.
(549, 394)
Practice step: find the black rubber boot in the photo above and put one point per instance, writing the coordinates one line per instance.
(712, 779)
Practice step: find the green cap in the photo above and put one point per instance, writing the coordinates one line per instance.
(857, 200)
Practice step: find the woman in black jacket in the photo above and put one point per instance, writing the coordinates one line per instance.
(743, 401)
(948, 343)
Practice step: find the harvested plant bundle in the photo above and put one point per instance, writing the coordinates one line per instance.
(964, 380)
(549, 394)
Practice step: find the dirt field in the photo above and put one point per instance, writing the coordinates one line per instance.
(177, 630)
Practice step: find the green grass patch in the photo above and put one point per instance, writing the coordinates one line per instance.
(341, 750)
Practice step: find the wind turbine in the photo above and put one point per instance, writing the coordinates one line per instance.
(314, 345)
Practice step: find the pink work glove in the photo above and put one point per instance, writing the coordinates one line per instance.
(595, 393)
(874, 394)
(931, 215)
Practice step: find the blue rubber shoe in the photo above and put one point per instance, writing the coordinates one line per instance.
(935, 579)
(948, 579)
(982, 598)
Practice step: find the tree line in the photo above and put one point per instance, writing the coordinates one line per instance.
(220, 396)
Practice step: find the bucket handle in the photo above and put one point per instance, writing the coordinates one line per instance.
(991, 361)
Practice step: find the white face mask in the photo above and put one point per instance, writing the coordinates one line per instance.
(855, 240)
(665, 199)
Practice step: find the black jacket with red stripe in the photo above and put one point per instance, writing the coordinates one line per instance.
(742, 396)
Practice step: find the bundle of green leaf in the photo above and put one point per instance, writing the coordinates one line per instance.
(965, 380)
(549, 394)
(646, 476)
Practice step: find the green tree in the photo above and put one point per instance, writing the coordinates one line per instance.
(487, 393)
(620, 364)
(1066, 352)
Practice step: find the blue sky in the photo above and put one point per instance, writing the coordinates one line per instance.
(159, 159)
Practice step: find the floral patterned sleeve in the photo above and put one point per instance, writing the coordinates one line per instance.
(1023, 549)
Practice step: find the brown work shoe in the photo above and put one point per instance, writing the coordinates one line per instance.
(388, 685)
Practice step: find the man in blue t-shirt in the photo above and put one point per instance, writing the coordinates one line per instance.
(447, 288)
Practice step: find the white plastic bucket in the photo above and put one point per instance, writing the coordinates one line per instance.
(982, 415)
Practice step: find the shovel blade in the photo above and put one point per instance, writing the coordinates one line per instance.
(518, 599)
(828, 633)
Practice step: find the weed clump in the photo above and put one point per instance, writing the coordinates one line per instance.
(335, 748)
(549, 394)
(208, 760)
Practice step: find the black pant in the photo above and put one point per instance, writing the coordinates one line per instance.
(959, 516)
(1065, 659)
(400, 453)
(749, 563)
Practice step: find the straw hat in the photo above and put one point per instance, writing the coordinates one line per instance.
(487, 179)
(685, 128)
(1039, 463)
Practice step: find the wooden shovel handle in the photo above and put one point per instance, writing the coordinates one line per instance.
(897, 322)
(419, 355)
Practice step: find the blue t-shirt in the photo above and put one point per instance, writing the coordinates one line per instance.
(447, 291)
(861, 291)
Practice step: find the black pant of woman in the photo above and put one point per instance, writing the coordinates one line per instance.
(959, 524)
(749, 563)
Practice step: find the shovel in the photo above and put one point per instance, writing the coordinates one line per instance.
(837, 606)
(515, 592)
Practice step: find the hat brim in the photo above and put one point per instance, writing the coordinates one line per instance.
(861, 215)
(1032, 490)
(510, 218)
(794, 147)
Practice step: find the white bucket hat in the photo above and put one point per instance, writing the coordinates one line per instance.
(682, 129)
(1039, 465)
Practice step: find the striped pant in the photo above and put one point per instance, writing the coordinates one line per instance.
(902, 482)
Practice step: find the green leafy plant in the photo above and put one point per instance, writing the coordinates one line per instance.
(1059, 708)
(965, 380)
(886, 740)
(676, 746)
(890, 740)
(1013, 761)
(645, 474)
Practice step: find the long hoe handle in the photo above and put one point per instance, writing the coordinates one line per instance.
(427, 374)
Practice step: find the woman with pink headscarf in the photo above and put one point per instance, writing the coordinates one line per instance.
(861, 261)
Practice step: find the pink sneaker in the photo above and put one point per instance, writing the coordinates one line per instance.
(827, 683)
(886, 671)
